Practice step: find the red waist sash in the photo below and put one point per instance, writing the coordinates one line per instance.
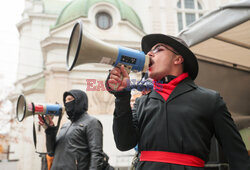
(171, 157)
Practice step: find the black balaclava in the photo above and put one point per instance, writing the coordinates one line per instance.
(77, 107)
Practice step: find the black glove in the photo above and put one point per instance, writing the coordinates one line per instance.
(51, 139)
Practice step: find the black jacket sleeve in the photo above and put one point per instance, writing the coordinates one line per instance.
(94, 136)
(51, 140)
(125, 122)
(230, 139)
(125, 128)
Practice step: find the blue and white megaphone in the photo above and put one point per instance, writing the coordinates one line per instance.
(83, 48)
(25, 109)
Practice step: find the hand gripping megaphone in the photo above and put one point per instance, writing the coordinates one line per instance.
(25, 109)
(84, 48)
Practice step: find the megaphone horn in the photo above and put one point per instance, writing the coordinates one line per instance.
(24, 109)
(84, 48)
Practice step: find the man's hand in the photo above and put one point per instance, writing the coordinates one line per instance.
(119, 79)
(48, 120)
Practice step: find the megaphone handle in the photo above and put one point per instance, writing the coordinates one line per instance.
(58, 122)
(45, 121)
(127, 68)
(116, 85)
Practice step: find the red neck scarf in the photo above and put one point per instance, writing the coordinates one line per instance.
(166, 89)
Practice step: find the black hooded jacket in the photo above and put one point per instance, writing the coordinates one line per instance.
(78, 145)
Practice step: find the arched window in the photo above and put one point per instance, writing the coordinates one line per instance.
(103, 20)
(187, 12)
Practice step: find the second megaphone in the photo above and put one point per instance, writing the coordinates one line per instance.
(84, 48)
(24, 109)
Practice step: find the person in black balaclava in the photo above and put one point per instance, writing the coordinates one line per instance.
(75, 108)
(78, 145)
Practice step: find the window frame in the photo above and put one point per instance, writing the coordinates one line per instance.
(183, 11)
(110, 19)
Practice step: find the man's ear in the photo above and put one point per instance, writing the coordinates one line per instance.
(179, 59)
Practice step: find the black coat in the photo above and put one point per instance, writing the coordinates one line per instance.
(78, 146)
(183, 124)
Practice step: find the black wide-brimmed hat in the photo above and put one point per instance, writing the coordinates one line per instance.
(190, 61)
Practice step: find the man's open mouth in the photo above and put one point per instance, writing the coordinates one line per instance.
(150, 62)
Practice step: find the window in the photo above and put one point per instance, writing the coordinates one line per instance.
(188, 11)
(103, 20)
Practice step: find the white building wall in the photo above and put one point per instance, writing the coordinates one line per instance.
(8, 165)
(30, 56)
(32, 30)
(141, 7)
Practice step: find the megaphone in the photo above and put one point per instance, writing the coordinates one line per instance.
(84, 48)
(25, 109)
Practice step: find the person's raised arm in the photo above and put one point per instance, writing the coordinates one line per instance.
(50, 131)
